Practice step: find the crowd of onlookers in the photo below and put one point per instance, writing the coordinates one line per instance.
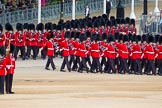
(10, 6)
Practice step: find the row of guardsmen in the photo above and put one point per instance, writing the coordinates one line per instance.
(29, 37)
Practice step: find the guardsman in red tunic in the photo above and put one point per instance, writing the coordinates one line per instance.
(88, 44)
(102, 48)
(137, 52)
(71, 46)
(50, 52)
(41, 40)
(110, 55)
(124, 56)
(76, 52)
(2, 40)
(159, 53)
(144, 55)
(26, 33)
(83, 53)
(95, 53)
(10, 68)
(2, 72)
(33, 38)
(66, 54)
(150, 56)
(20, 41)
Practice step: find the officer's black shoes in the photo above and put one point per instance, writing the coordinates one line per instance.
(47, 68)
(10, 92)
(80, 71)
(74, 70)
(69, 70)
(62, 70)
(54, 68)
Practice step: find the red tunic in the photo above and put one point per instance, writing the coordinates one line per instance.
(33, 38)
(41, 39)
(95, 52)
(159, 52)
(20, 39)
(110, 52)
(76, 48)
(137, 52)
(150, 52)
(10, 64)
(50, 48)
(124, 51)
(83, 50)
(65, 48)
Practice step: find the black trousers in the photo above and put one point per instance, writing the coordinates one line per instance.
(88, 60)
(2, 78)
(96, 65)
(76, 63)
(65, 62)
(83, 65)
(43, 53)
(111, 65)
(50, 61)
(13, 48)
(137, 66)
(29, 51)
(123, 65)
(9, 80)
(151, 67)
(103, 61)
(22, 50)
(72, 60)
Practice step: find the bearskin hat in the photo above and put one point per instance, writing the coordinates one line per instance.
(138, 38)
(144, 38)
(67, 34)
(50, 35)
(133, 38)
(19, 27)
(125, 38)
(89, 24)
(118, 21)
(113, 22)
(120, 37)
(127, 20)
(110, 38)
(77, 34)
(150, 39)
(82, 37)
(26, 26)
(40, 27)
(72, 34)
(116, 36)
(123, 21)
(96, 24)
(112, 18)
(49, 26)
(104, 16)
(104, 36)
(31, 26)
(132, 21)
(1, 28)
(82, 25)
(109, 23)
(8, 27)
(54, 26)
(93, 37)
(88, 34)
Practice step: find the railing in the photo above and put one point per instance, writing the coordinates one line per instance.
(51, 12)
(150, 24)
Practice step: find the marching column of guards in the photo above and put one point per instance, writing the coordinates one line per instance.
(96, 44)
